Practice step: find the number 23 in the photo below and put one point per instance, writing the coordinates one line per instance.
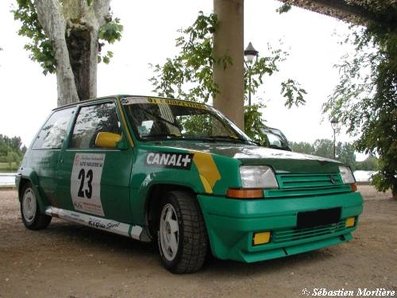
(82, 193)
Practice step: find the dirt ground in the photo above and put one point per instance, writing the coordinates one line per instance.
(68, 260)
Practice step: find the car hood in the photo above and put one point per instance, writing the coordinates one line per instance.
(280, 160)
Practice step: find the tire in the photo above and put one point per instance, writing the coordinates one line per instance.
(182, 238)
(32, 217)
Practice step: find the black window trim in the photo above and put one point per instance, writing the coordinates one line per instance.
(81, 105)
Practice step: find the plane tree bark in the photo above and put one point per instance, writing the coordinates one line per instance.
(66, 38)
(73, 29)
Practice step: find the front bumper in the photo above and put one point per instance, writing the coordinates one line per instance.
(232, 223)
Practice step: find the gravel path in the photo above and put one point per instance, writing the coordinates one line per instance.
(68, 260)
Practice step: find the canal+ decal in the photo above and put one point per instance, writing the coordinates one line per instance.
(170, 160)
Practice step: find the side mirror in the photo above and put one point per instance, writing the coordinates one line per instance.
(107, 140)
(275, 139)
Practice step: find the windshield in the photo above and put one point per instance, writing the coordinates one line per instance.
(163, 119)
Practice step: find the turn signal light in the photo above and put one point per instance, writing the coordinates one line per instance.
(245, 193)
(353, 187)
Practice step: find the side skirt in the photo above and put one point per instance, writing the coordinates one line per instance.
(133, 231)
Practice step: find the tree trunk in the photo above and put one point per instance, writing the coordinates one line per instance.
(73, 29)
(228, 40)
(51, 18)
(83, 28)
(83, 51)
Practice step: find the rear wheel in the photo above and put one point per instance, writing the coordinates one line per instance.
(32, 217)
(182, 238)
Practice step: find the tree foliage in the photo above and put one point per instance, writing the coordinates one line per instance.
(253, 123)
(369, 164)
(345, 152)
(67, 37)
(11, 151)
(40, 46)
(366, 97)
(302, 147)
(189, 74)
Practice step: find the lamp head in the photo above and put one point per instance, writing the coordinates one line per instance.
(250, 53)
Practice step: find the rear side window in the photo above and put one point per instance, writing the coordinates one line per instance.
(54, 131)
(92, 120)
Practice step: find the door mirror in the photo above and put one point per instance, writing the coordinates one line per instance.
(275, 139)
(107, 140)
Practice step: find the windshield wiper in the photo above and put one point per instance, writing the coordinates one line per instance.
(162, 136)
(224, 139)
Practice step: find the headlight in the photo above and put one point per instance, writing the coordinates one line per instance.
(347, 175)
(257, 177)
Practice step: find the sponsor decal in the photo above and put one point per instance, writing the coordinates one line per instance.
(85, 182)
(153, 100)
(208, 170)
(175, 102)
(103, 224)
(97, 222)
(170, 160)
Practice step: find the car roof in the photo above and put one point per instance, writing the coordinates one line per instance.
(119, 96)
(91, 100)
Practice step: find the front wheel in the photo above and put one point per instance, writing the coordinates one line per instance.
(182, 237)
(32, 217)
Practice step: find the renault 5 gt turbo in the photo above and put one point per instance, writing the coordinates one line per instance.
(182, 175)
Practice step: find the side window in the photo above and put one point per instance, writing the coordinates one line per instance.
(92, 120)
(54, 131)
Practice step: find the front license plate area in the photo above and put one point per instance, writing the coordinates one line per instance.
(322, 217)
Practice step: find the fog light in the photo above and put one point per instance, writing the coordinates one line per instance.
(261, 238)
(350, 222)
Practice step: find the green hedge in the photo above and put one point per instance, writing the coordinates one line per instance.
(5, 166)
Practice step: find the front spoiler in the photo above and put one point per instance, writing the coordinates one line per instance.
(232, 223)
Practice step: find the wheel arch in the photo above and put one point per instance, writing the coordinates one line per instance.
(23, 181)
(29, 176)
(153, 200)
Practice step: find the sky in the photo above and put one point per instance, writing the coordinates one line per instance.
(150, 30)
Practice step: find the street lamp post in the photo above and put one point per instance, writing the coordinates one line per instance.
(250, 53)
(334, 124)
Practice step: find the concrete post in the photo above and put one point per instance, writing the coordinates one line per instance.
(229, 40)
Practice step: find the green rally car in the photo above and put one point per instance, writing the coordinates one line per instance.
(182, 174)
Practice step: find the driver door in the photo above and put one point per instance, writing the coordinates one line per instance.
(96, 180)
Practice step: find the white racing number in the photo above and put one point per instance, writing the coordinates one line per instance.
(85, 182)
